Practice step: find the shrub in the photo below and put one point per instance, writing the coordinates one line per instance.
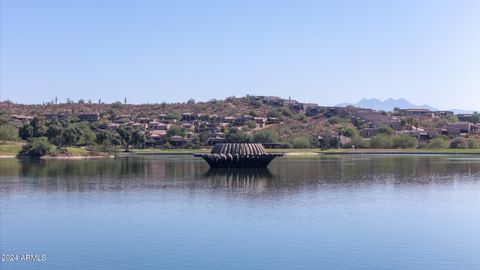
(236, 135)
(334, 120)
(328, 141)
(286, 112)
(176, 130)
(349, 132)
(404, 141)
(438, 143)
(385, 130)
(251, 124)
(273, 114)
(8, 132)
(167, 145)
(266, 136)
(300, 142)
(188, 145)
(459, 143)
(358, 142)
(473, 144)
(37, 147)
(381, 141)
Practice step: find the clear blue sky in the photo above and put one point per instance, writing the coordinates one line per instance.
(321, 51)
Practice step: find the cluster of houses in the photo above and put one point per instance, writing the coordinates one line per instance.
(156, 129)
(368, 122)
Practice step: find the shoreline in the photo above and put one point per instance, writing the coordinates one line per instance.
(287, 153)
(311, 152)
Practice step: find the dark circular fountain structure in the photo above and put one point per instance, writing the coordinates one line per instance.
(238, 155)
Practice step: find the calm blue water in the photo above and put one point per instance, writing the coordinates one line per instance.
(172, 212)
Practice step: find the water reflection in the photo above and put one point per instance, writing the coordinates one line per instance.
(255, 180)
(159, 172)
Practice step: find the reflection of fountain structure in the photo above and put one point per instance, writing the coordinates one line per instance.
(238, 155)
(254, 179)
(255, 173)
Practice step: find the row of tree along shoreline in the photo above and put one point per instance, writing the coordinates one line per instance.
(83, 129)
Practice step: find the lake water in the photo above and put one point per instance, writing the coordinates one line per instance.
(172, 212)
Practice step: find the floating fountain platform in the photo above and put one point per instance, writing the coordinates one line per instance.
(238, 155)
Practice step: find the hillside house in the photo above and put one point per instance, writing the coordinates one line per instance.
(465, 117)
(368, 132)
(189, 117)
(459, 128)
(273, 120)
(21, 118)
(214, 140)
(138, 126)
(89, 117)
(416, 112)
(112, 126)
(442, 114)
(177, 141)
(188, 126)
(156, 138)
(155, 125)
(55, 116)
(312, 111)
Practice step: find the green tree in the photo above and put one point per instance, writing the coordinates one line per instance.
(328, 141)
(36, 128)
(104, 139)
(125, 136)
(265, 136)
(37, 147)
(381, 141)
(438, 143)
(8, 132)
(451, 118)
(139, 138)
(176, 130)
(300, 142)
(116, 141)
(203, 137)
(55, 133)
(25, 131)
(348, 131)
(70, 136)
(174, 115)
(385, 130)
(235, 135)
(404, 141)
(358, 142)
(103, 136)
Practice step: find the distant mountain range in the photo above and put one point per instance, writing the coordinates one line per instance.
(389, 104)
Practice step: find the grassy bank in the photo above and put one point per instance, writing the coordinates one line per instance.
(319, 151)
(401, 151)
(10, 148)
